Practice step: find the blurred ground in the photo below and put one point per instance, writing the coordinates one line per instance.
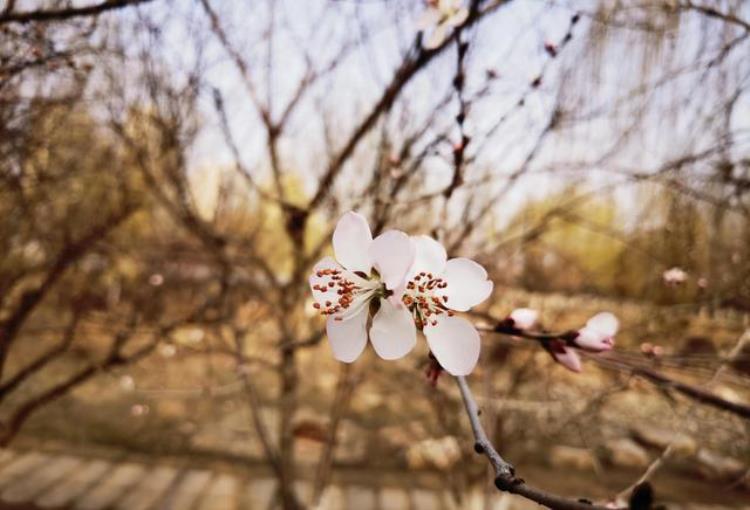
(602, 428)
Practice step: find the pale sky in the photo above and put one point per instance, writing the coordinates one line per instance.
(511, 42)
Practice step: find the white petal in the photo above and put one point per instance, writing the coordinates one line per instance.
(392, 253)
(429, 256)
(393, 334)
(524, 318)
(348, 337)
(467, 284)
(455, 343)
(351, 242)
(604, 323)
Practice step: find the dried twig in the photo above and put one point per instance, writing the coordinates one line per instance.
(9, 16)
(505, 476)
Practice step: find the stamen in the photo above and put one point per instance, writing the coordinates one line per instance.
(343, 290)
(422, 302)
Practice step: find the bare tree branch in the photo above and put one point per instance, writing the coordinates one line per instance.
(505, 476)
(8, 16)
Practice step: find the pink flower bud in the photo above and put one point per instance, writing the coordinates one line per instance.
(599, 333)
(567, 357)
(524, 318)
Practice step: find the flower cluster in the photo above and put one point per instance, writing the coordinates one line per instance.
(400, 284)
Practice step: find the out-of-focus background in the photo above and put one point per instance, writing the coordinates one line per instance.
(170, 170)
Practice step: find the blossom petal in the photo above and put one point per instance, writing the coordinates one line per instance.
(592, 340)
(524, 318)
(429, 256)
(393, 334)
(351, 242)
(467, 284)
(455, 343)
(392, 253)
(598, 334)
(348, 337)
(604, 323)
(568, 358)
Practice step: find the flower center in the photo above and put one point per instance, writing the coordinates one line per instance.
(335, 281)
(421, 299)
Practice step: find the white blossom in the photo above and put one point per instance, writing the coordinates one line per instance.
(435, 289)
(412, 285)
(364, 271)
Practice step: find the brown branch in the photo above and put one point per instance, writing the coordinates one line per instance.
(505, 476)
(344, 390)
(272, 454)
(44, 359)
(415, 60)
(8, 16)
(70, 254)
(113, 359)
(611, 360)
(693, 392)
(712, 12)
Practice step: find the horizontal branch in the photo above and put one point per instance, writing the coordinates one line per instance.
(66, 13)
(609, 360)
(505, 476)
(694, 392)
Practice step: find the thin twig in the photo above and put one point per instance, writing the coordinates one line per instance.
(8, 16)
(505, 476)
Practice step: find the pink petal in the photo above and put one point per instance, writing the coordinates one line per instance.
(598, 334)
(455, 343)
(568, 358)
(351, 242)
(392, 253)
(467, 284)
(593, 340)
(393, 334)
(348, 337)
(429, 257)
